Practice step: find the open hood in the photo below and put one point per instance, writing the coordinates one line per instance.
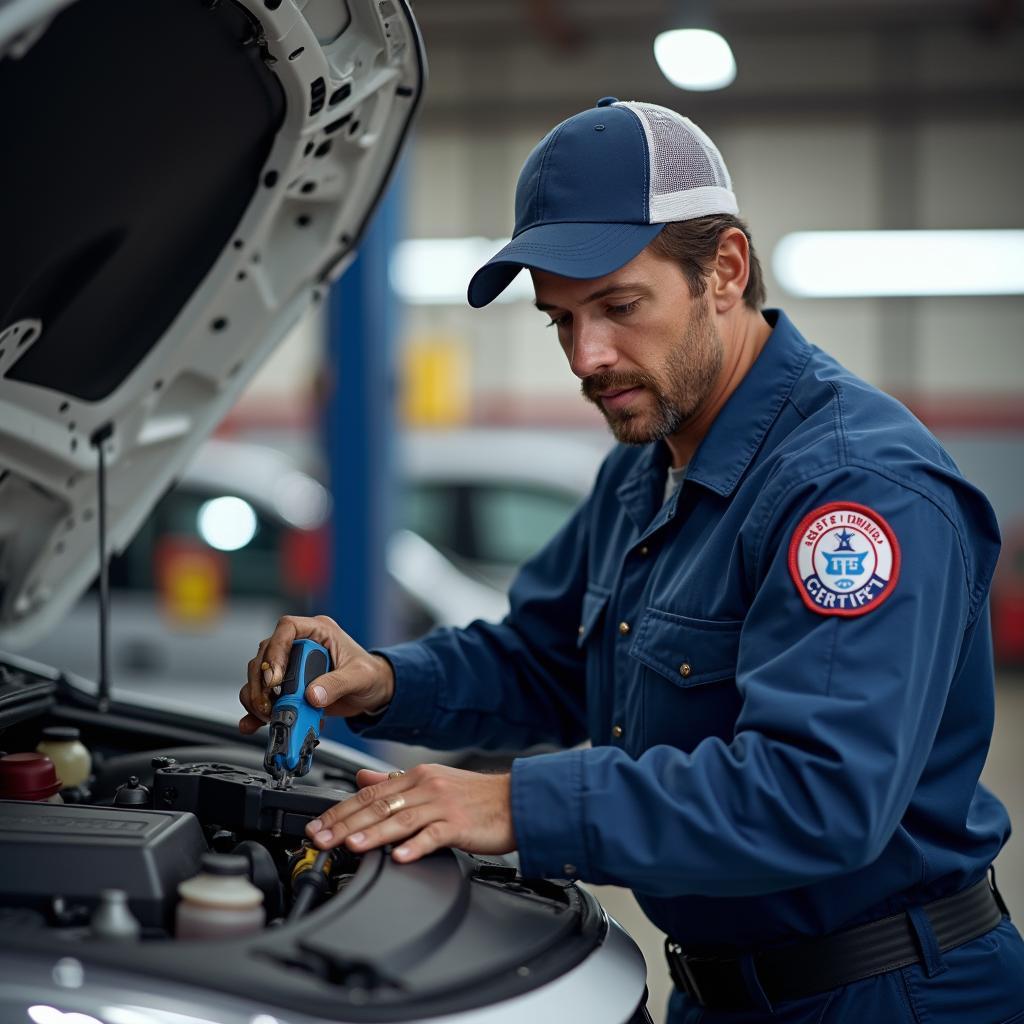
(181, 181)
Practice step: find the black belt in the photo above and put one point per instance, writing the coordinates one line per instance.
(792, 972)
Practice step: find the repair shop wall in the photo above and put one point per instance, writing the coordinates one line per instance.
(882, 116)
(854, 116)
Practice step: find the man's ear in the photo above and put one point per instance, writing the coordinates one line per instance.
(730, 271)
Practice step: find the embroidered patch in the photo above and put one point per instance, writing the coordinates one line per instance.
(844, 559)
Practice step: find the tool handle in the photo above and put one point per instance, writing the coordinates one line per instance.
(306, 660)
(294, 722)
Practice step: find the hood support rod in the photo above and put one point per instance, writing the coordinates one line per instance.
(97, 440)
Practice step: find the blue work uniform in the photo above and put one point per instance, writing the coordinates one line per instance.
(785, 671)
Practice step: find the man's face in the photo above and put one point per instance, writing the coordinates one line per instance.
(646, 351)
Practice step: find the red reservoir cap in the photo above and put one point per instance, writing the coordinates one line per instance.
(27, 777)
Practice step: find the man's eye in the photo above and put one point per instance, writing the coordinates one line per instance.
(558, 321)
(624, 310)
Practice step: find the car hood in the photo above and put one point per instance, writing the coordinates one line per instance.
(182, 181)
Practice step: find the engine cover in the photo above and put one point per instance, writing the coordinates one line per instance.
(51, 850)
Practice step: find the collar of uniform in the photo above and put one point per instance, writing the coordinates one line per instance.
(734, 437)
(643, 489)
(738, 430)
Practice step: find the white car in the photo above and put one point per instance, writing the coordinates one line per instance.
(182, 180)
(489, 498)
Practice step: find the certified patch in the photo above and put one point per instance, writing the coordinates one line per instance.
(844, 559)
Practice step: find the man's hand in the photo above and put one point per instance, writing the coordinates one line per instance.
(424, 809)
(358, 682)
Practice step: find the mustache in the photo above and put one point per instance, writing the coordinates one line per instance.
(592, 387)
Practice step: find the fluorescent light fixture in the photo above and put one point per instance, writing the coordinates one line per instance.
(227, 523)
(842, 264)
(436, 271)
(695, 58)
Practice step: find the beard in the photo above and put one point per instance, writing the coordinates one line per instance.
(678, 392)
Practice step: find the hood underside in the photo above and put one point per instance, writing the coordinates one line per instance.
(182, 180)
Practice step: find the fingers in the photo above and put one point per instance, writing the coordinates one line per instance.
(290, 628)
(267, 668)
(249, 724)
(427, 840)
(430, 807)
(359, 682)
(388, 798)
(392, 828)
(254, 697)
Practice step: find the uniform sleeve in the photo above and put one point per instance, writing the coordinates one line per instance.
(506, 685)
(838, 715)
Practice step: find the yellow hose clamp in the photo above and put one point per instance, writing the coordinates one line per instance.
(305, 862)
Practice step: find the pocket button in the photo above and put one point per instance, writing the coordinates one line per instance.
(685, 669)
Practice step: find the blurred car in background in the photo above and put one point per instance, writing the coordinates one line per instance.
(234, 543)
(489, 498)
(241, 539)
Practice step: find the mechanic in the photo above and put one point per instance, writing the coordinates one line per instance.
(770, 618)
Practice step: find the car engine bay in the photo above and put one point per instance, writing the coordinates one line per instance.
(386, 941)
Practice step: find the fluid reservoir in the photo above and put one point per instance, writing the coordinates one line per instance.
(220, 902)
(71, 758)
(29, 777)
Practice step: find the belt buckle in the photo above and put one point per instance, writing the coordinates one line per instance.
(682, 975)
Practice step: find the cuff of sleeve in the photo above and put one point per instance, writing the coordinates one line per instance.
(547, 815)
(412, 707)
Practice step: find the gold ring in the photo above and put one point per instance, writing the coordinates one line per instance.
(395, 803)
(396, 774)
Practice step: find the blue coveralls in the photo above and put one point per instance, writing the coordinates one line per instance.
(786, 675)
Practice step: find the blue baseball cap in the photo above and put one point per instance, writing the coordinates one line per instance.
(600, 186)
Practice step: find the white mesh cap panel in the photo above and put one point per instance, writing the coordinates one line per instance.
(688, 175)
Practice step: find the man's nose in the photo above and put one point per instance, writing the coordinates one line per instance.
(592, 350)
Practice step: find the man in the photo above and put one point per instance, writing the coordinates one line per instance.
(769, 617)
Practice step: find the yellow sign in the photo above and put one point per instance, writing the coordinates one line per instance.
(191, 578)
(435, 381)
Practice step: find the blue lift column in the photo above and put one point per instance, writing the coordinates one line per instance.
(360, 425)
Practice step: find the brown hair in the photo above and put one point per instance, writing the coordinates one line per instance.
(693, 244)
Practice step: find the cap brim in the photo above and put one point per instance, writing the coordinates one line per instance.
(569, 250)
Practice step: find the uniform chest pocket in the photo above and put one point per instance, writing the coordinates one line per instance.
(687, 652)
(681, 657)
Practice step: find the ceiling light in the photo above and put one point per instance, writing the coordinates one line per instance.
(837, 264)
(695, 58)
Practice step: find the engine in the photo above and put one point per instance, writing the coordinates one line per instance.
(169, 798)
(147, 839)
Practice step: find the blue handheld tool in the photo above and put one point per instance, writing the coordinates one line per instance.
(294, 722)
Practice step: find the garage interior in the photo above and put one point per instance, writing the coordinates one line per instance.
(845, 115)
